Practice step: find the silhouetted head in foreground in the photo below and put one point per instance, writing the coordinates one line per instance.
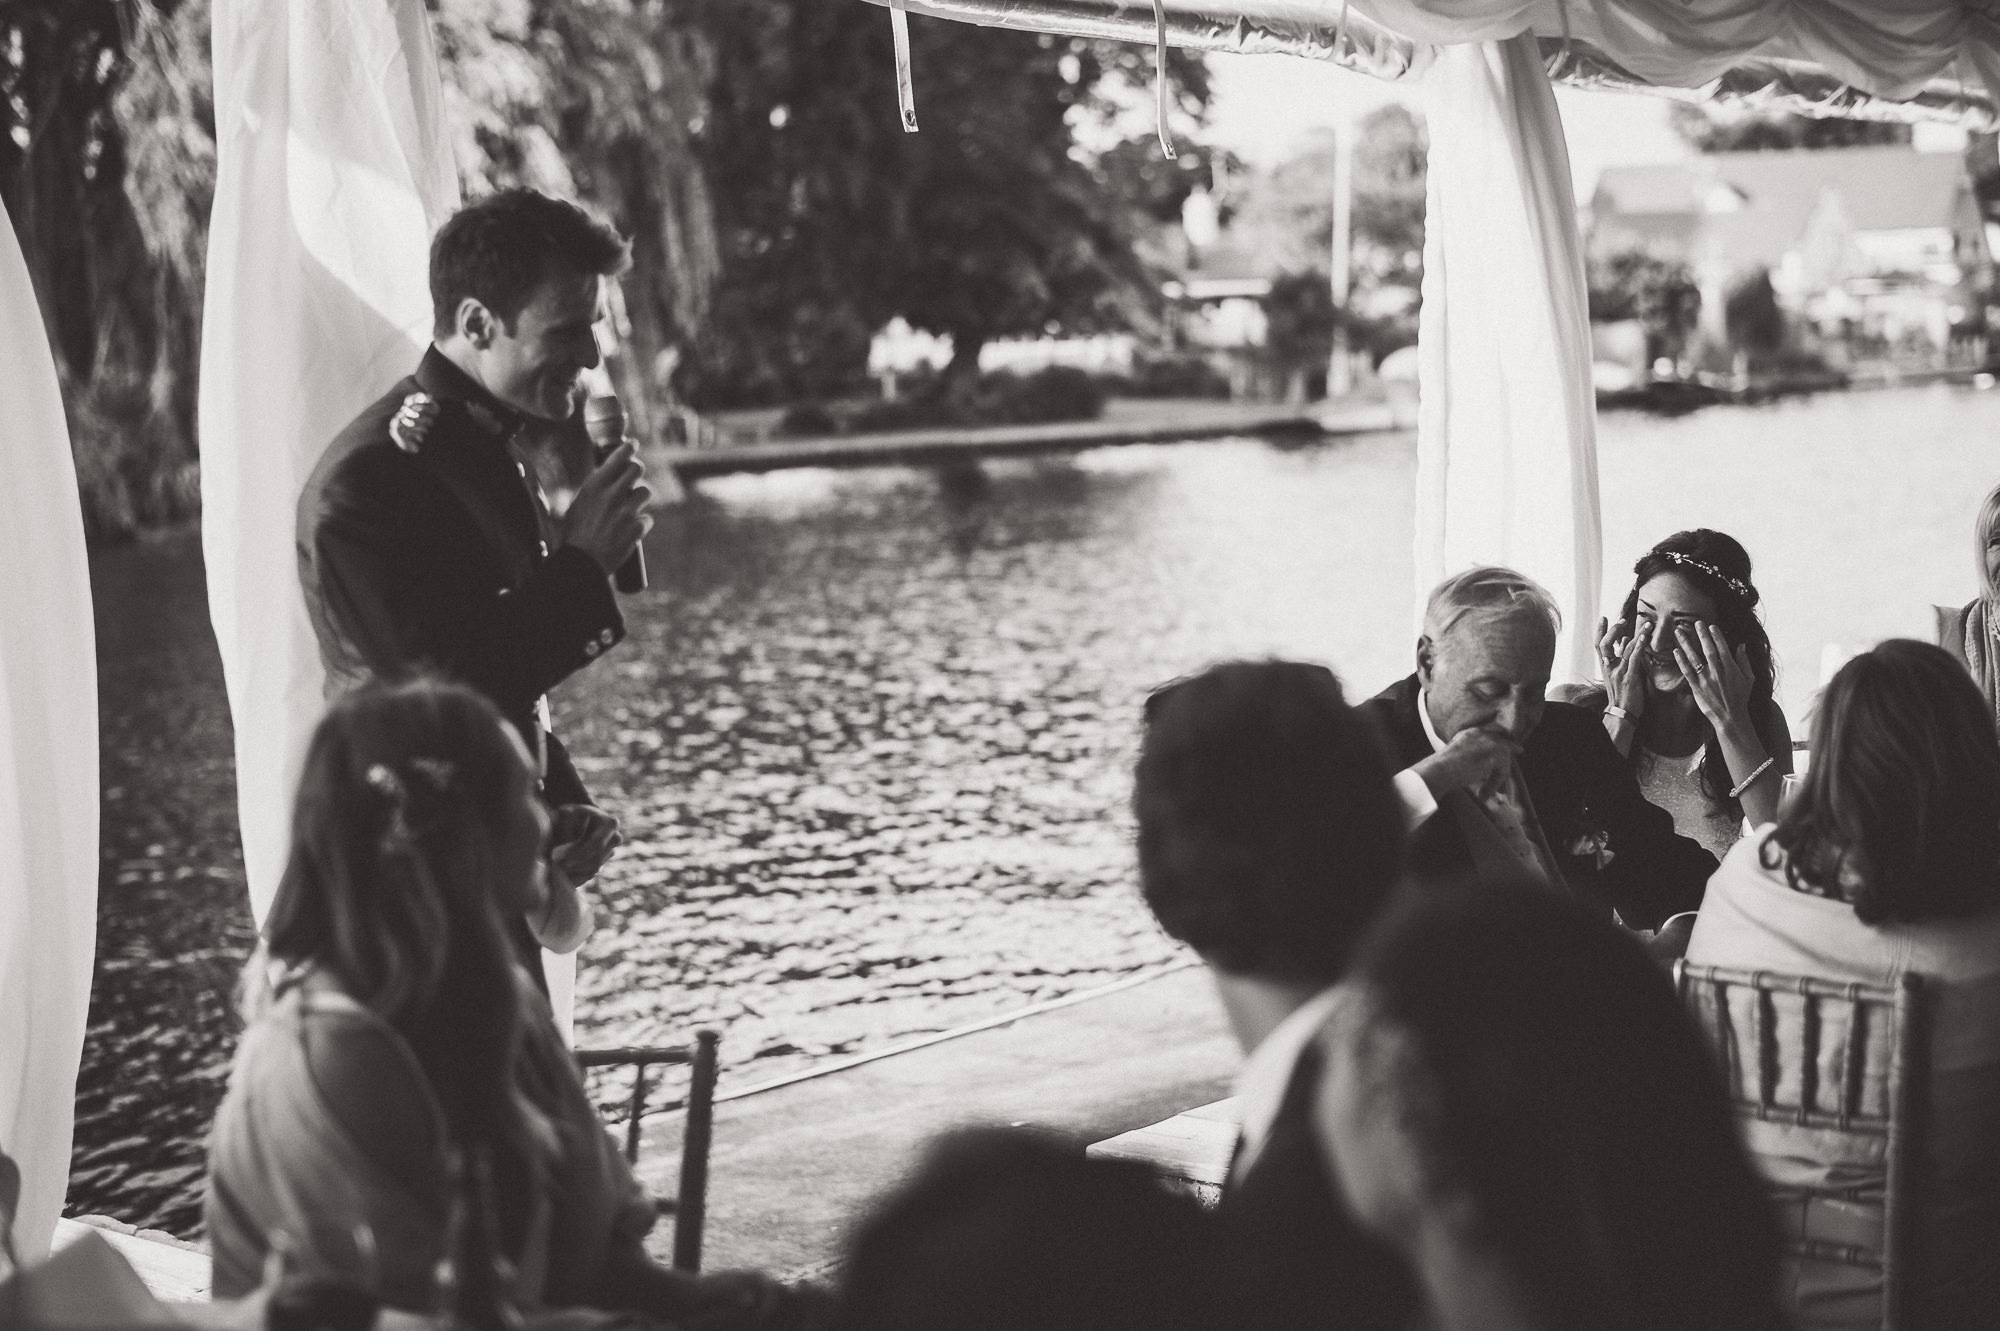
(1555, 1098)
(1006, 1230)
(1270, 834)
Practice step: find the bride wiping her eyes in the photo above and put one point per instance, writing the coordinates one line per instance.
(1688, 689)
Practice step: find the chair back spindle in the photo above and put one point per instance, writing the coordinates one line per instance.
(1830, 1074)
(690, 1204)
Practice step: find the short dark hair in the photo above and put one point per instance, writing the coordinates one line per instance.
(1899, 810)
(1011, 1230)
(1270, 833)
(498, 249)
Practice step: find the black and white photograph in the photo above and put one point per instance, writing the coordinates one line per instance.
(1000, 665)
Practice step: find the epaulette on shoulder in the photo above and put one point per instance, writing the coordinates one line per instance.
(412, 423)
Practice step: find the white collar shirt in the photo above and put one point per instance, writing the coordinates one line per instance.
(1266, 1074)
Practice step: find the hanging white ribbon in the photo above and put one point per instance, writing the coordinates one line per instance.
(906, 91)
(48, 767)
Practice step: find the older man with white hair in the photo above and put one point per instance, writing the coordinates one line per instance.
(1498, 781)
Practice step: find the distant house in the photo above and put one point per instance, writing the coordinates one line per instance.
(1218, 299)
(1880, 249)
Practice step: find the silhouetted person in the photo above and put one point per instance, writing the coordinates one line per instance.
(1007, 1230)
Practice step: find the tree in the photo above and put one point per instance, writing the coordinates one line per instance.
(1287, 213)
(1712, 129)
(992, 221)
(107, 166)
(1752, 317)
(1660, 293)
(1300, 319)
(1391, 174)
(599, 100)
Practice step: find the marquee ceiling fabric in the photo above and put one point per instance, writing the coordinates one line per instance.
(1921, 59)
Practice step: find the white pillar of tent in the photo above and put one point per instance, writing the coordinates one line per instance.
(48, 768)
(1507, 418)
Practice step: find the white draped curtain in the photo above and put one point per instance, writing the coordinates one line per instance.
(1507, 418)
(333, 169)
(48, 766)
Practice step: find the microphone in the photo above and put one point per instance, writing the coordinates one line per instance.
(604, 421)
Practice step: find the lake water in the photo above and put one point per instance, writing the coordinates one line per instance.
(871, 735)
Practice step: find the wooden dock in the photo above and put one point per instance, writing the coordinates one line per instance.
(1193, 420)
(1194, 1148)
(794, 1164)
(175, 1271)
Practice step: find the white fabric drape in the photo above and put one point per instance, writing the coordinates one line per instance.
(1506, 422)
(333, 169)
(48, 766)
(1887, 49)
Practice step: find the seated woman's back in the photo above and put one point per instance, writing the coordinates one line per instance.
(397, 1050)
(1888, 864)
(330, 1136)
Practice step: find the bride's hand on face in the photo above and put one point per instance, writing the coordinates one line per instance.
(1619, 656)
(1718, 675)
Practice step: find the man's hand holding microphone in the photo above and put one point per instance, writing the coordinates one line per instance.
(607, 519)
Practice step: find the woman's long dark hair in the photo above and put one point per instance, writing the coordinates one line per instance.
(1692, 555)
(1899, 811)
(389, 888)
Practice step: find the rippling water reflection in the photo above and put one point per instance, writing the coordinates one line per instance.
(872, 733)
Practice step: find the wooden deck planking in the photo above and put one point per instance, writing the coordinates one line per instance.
(173, 1271)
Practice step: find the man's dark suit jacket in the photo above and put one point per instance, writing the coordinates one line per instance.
(1300, 1259)
(439, 559)
(1584, 794)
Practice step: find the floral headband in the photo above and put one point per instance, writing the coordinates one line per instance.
(1737, 585)
(436, 773)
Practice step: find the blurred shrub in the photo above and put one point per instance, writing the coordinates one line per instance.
(1168, 376)
(805, 421)
(1058, 393)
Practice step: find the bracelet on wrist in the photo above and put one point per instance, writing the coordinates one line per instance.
(1616, 712)
(1744, 784)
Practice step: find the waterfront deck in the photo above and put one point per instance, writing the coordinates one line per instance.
(795, 1160)
(175, 1272)
(794, 1163)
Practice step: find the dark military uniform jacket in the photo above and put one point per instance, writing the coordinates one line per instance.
(437, 557)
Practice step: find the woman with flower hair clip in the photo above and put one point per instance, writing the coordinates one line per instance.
(395, 1044)
(1687, 696)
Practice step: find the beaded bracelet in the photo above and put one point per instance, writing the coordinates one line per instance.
(1744, 784)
